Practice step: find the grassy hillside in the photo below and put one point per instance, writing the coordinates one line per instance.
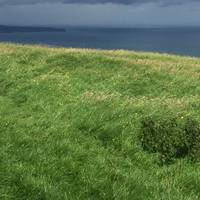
(70, 118)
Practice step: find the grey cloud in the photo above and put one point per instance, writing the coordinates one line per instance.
(123, 2)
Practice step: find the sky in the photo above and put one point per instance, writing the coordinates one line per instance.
(109, 13)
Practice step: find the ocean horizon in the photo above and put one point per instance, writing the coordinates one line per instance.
(172, 40)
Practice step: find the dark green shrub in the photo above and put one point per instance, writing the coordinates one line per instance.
(192, 131)
(171, 138)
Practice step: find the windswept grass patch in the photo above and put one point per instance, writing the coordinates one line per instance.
(70, 120)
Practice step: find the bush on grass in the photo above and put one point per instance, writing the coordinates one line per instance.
(172, 138)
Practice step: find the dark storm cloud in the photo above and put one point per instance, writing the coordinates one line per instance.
(123, 2)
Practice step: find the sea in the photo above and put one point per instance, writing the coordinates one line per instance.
(172, 40)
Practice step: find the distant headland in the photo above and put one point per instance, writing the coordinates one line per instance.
(14, 29)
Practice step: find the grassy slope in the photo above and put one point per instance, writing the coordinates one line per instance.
(69, 121)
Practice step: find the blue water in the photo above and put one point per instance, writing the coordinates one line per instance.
(182, 41)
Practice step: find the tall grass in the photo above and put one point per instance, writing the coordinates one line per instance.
(70, 118)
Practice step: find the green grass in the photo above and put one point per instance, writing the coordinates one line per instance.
(70, 118)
